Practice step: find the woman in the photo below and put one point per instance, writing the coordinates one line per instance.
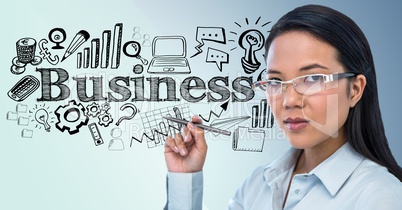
(321, 85)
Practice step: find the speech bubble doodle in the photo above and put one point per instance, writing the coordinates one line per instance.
(212, 34)
(217, 56)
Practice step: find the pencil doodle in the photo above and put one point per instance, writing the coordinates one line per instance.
(80, 38)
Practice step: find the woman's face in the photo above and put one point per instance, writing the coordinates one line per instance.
(308, 121)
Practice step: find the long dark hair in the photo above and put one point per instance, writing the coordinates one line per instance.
(364, 126)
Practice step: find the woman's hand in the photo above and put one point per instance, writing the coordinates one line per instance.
(186, 153)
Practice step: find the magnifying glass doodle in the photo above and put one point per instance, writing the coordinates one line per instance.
(133, 49)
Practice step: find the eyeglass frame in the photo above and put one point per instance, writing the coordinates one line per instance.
(284, 84)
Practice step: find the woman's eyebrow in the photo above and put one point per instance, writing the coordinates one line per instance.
(313, 66)
(272, 71)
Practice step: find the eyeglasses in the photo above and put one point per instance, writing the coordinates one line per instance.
(307, 84)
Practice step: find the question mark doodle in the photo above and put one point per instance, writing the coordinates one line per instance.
(125, 106)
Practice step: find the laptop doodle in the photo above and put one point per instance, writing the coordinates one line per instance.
(169, 56)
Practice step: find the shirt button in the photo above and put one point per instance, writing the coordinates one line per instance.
(297, 191)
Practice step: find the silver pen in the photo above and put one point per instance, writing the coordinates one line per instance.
(205, 127)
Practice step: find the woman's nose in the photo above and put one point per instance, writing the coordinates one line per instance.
(291, 98)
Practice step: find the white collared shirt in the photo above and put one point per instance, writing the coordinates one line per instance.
(346, 180)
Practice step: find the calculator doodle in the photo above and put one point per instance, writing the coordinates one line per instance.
(24, 88)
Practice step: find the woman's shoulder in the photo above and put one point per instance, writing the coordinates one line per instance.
(373, 177)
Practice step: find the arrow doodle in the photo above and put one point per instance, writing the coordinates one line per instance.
(224, 107)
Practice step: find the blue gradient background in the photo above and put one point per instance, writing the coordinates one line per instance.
(59, 171)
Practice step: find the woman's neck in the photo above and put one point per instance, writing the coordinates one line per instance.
(312, 157)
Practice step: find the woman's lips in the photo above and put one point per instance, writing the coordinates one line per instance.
(296, 123)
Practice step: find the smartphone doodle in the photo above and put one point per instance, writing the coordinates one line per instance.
(24, 88)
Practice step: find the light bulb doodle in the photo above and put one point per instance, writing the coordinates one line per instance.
(42, 117)
(251, 41)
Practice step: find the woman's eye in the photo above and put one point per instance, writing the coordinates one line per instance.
(313, 78)
(274, 81)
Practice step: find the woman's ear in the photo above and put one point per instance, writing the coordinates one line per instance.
(357, 86)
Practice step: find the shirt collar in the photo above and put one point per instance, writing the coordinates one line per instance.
(281, 165)
(335, 170)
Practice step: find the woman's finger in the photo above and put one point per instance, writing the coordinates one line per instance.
(171, 144)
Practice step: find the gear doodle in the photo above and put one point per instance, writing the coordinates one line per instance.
(93, 109)
(71, 117)
(105, 119)
(105, 107)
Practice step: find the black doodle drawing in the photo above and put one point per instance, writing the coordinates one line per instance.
(252, 139)
(23, 88)
(26, 48)
(43, 116)
(57, 36)
(48, 83)
(212, 34)
(95, 44)
(251, 41)
(116, 45)
(46, 54)
(105, 52)
(224, 107)
(217, 56)
(105, 118)
(262, 115)
(169, 56)
(138, 69)
(80, 38)
(71, 117)
(134, 111)
(133, 49)
(95, 133)
(157, 128)
(116, 144)
(93, 110)
(248, 139)
(227, 123)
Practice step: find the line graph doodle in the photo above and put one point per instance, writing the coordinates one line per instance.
(156, 129)
(224, 107)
